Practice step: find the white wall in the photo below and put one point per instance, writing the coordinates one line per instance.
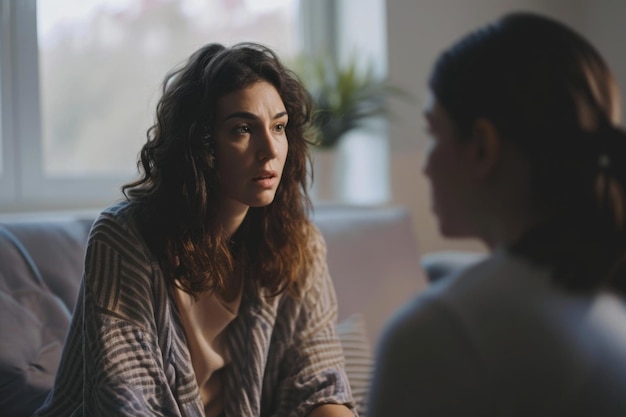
(418, 30)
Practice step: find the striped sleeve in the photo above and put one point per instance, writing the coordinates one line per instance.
(123, 364)
(112, 363)
(312, 368)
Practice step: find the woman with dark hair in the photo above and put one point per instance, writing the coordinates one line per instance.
(206, 291)
(526, 155)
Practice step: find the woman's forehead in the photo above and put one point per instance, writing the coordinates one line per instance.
(257, 100)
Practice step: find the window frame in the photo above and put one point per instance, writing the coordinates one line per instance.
(23, 183)
(7, 175)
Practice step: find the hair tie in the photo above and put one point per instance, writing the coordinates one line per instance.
(604, 161)
(611, 142)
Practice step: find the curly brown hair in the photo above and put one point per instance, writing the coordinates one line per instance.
(175, 200)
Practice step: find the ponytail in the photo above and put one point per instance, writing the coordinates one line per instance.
(585, 238)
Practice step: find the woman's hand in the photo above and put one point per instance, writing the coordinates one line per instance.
(331, 410)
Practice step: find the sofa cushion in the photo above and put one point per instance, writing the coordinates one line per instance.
(33, 324)
(58, 248)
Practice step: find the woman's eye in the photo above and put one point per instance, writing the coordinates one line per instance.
(242, 129)
(279, 127)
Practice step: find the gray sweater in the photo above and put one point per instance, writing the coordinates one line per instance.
(500, 339)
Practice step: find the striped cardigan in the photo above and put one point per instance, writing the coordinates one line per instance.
(126, 352)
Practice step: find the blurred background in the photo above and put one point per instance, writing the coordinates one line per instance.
(79, 80)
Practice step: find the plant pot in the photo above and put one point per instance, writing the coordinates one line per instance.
(325, 186)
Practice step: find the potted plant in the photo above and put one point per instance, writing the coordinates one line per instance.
(345, 97)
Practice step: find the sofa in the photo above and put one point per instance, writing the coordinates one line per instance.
(373, 258)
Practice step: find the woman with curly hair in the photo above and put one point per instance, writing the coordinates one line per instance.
(206, 290)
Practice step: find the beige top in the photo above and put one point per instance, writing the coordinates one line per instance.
(205, 322)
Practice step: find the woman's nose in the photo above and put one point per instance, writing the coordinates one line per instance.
(266, 148)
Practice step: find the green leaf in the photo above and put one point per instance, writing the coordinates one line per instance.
(344, 96)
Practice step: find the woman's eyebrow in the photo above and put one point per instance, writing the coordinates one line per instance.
(242, 115)
(251, 116)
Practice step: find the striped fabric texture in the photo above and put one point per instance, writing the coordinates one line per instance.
(126, 352)
(359, 360)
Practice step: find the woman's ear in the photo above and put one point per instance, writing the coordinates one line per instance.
(487, 147)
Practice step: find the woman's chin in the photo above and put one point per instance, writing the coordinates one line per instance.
(263, 201)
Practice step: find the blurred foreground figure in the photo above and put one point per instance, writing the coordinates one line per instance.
(526, 155)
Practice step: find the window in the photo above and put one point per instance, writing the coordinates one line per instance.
(80, 80)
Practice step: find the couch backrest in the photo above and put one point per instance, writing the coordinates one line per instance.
(373, 258)
(57, 248)
(40, 270)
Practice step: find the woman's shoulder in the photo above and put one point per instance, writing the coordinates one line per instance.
(444, 309)
(118, 213)
(115, 227)
(470, 287)
(501, 272)
(119, 266)
(116, 220)
(501, 285)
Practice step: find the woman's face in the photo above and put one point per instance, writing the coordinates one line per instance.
(446, 167)
(251, 145)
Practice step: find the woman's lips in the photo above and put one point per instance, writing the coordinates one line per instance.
(266, 179)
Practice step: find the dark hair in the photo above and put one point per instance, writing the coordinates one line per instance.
(549, 93)
(176, 198)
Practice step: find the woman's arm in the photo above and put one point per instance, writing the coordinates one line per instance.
(313, 379)
(124, 370)
(112, 363)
